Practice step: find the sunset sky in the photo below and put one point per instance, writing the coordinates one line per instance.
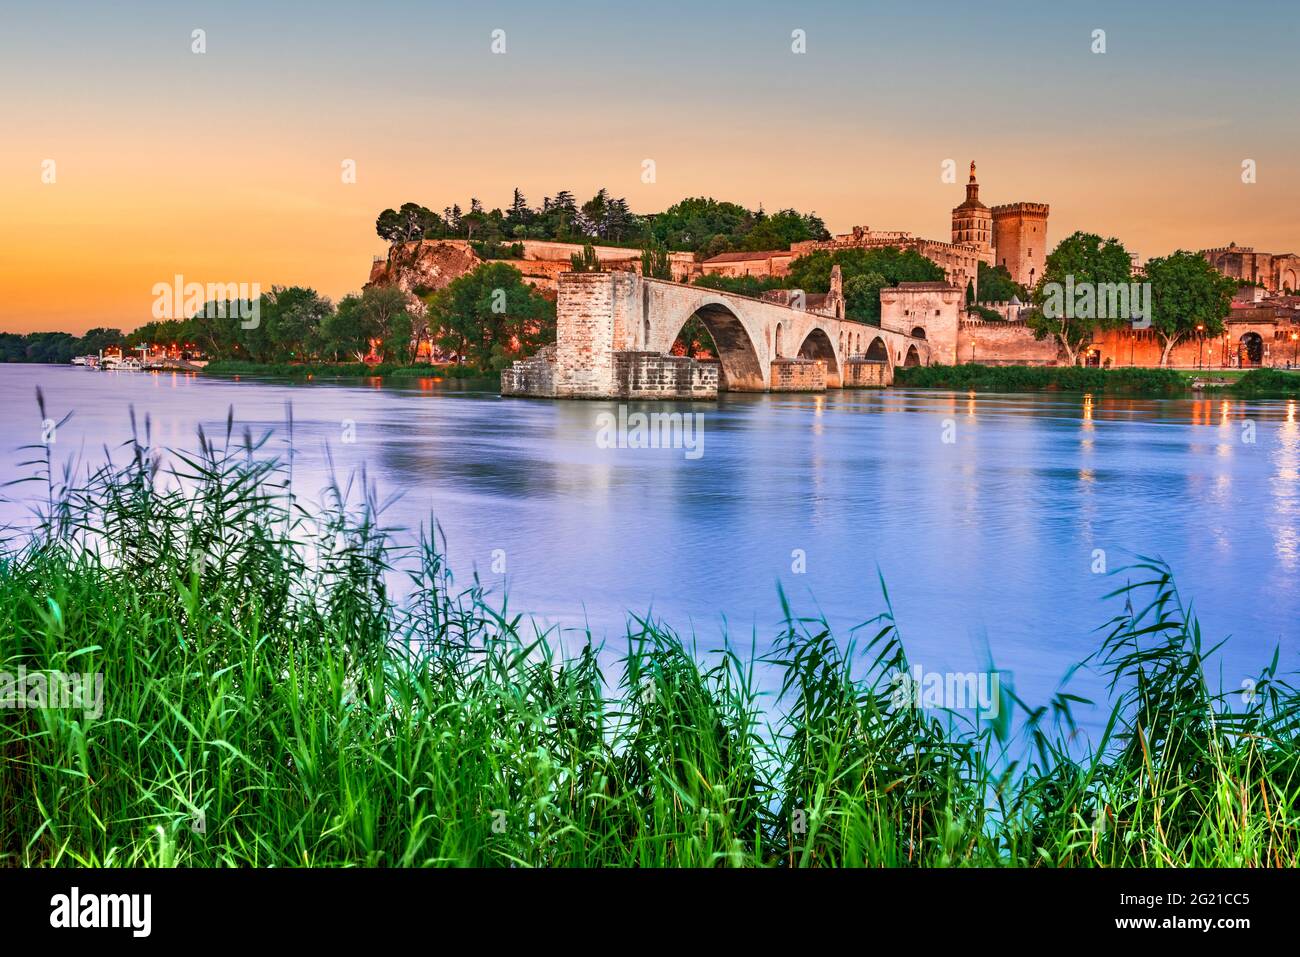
(225, 166)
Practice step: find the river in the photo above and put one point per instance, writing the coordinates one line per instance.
(988, 515)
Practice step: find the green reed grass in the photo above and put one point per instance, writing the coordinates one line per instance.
(260, 678)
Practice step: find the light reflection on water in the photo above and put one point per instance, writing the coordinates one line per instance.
(991, 533)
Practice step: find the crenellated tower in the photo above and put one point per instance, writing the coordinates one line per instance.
(1020, 240)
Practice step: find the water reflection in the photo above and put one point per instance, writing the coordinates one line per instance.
(994, 531)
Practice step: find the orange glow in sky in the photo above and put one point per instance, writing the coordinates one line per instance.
(226, 166)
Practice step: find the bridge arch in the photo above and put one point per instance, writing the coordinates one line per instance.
(913, 357)
(877, 351)
(741, 368)
(817, 345)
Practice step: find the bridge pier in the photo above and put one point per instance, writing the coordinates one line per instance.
(798, 375)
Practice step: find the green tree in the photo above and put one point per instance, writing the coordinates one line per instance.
(1082, 261)
(343, 331)
(98, 339)
(862, 297)
(655, 263)
(702, 225)
(783, 228)
(215, 329)
(386, 318)
(1188, 296)
(297, 314)
(409, 223)
(813, 272)
(519, 215)
(491, 316)
(996, 285)
(586, 261)
(255, 333)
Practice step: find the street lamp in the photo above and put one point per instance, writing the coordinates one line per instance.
(1200, 346)
(1294, 336)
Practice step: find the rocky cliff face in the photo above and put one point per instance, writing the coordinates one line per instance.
(422, 267)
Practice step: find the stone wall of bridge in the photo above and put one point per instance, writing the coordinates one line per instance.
(867, 374)
(616, 330)
(653, 375)
(611, 324)
(798, 375)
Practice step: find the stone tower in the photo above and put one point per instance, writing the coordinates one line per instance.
(972, 223)
(1020, 240)
(834, 303)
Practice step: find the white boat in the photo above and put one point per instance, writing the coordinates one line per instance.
(78, 360)
(128, 364)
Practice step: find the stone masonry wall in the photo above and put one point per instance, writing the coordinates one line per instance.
(867, 374)
(1003, 343)
(653, 375)
(798, 375)
(585, 335)
(532, 376)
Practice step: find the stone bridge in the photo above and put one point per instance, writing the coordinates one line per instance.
(615, 331)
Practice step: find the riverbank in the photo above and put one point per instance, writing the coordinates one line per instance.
(1121, 381)
(266, 703)
(967, 378)
(341, 370)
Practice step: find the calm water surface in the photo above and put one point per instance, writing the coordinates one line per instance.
(990, 537)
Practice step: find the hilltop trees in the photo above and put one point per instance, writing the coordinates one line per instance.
(707, 227)
(519, 216)
(409, 223)
(1188, 297)
(782, 229)
(608, 218)
(701, 225)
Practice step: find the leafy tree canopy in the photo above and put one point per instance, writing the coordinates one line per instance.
(491, 316)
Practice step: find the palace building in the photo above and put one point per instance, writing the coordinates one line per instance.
(1279, 273)
(1014, 235)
